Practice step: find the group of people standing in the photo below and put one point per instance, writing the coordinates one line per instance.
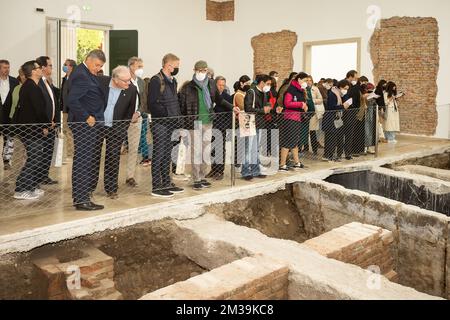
(113, 109)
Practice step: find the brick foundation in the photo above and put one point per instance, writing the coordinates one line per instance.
(96, 271)
(406, 50)
(274, 52)
(220, 11)
(359, 244)
(252, 278)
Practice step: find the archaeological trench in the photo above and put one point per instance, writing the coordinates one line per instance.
(377, 231)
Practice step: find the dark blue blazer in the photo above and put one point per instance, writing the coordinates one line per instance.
(330, 116)
(86, 97)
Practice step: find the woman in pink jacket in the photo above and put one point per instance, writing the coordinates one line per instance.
(295, 105)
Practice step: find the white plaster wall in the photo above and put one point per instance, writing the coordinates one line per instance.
(180, 26)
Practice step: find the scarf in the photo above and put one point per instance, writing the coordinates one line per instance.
(337, 92)
(206, 94)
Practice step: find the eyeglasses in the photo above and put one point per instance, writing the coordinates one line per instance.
(125, 81)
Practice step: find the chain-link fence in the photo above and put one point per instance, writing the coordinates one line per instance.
(60, 167)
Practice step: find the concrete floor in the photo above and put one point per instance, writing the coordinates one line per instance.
(55, 210)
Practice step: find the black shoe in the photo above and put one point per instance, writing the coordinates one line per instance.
(112, 195)
(175, 190)
(356, 155)
(49, 182)
(88, 206)
(162, 194)
(197, 186)
(6, 166)
(210, 175)
(219, 177)
(349, 158)
(261, 176)
(205, 184)
(249, 178)
(131, 183)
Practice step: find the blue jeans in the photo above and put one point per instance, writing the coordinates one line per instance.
(390, 135)
(251, 167)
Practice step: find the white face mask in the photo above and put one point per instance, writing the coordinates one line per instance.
(200, 76)
(139, 73)
(304, 85)
(266, 89)
(276, 79)
(354, 82)
(344, 92)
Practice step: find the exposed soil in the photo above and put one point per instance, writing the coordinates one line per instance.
(275, 215)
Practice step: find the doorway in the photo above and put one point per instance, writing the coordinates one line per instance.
(73, 40)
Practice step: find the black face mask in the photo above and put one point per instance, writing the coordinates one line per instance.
(246, 88)
(175, 71)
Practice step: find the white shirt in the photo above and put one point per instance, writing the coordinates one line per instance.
(135, 82)
(50, 92)
(4, 89)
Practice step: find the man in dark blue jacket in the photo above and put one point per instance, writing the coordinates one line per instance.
(86, 101)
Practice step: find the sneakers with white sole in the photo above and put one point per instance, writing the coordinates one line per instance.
(26, 195)
(39, 192)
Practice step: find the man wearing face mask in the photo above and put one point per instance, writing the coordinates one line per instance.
(136, 66)
(197, 100)
(256, 102)
(350, 115)
(164, 107)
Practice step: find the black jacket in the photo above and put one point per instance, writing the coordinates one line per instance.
(260, 99)
(31, 110)
(224, 111)
(49, 102)
(85, 98)
(165, 104)
(125, 105)
(189, 102)
(5, 106)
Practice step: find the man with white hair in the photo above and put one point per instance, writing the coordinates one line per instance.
(119, 111)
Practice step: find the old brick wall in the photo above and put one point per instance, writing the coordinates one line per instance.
(252, 278)
(274, 51)
(359, 244)
(219, 11)
(406, 50)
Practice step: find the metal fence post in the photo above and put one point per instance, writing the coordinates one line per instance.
(233, 146)
(377, 132)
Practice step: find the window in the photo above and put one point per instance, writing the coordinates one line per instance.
(332, 59)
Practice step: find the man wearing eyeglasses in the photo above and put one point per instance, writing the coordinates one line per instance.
(119, 112)
(54, 114)
(86, 102)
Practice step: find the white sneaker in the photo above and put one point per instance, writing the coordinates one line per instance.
(39, 192)
(26, 195)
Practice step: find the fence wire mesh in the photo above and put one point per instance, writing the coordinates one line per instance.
(163, 157)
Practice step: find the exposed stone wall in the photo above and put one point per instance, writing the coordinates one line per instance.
(220, 10)
(311, 275)
(406, 50)
(274, 52)
(421, 238)
(252, 278)
(359, 244)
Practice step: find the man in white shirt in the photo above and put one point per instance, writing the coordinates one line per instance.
(136, 66)
(53, 112)
(7, 85)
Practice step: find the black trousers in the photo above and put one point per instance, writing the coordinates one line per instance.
(359, 136)
(349, 130)
(334, 141)
(162, 130)
(218, 165)
(314, 142)
(114, 138)
(86, 161)
(48, 145)
(31, 174)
